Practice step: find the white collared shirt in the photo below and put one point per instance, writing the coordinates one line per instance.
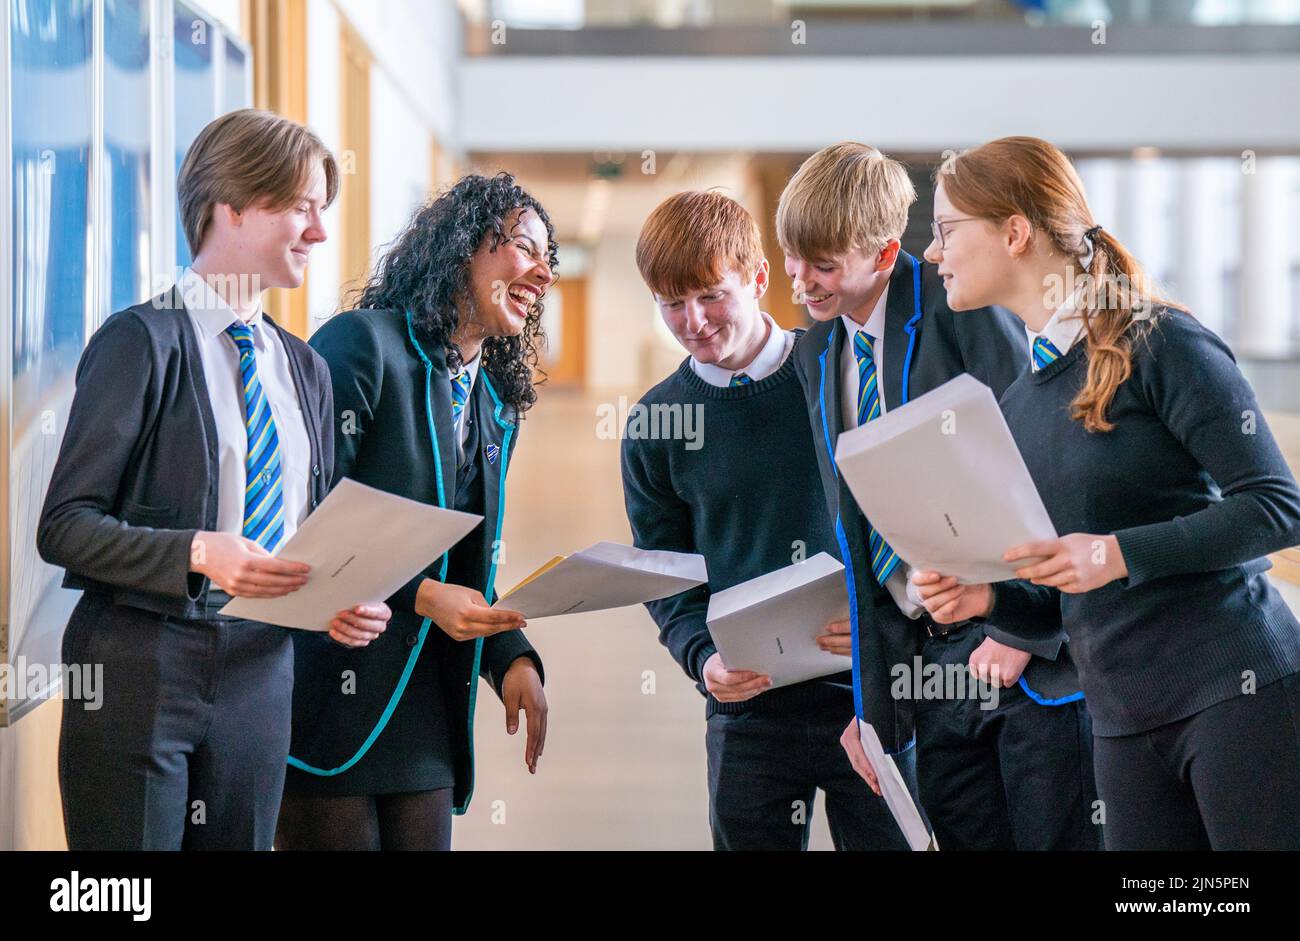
(1062, 330)
(899, 582)
(210, 316)
(460, 427)
(776, 348)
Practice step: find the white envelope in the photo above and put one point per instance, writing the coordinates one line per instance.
(362, 545)
(606, 575)
(895, 793)
(942, 481)
(770, 624)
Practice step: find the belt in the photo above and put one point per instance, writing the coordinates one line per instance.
(215, 601)
(935, 629)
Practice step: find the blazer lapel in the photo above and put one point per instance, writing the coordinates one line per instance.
(438, 403)
(495, 433)
(899, 308)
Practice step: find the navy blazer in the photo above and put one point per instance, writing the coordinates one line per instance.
(392, 403)
(137, 471)
(928, 345)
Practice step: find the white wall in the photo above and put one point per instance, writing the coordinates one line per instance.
(401, 160)
(414, 44)
(792, 104)
(325, 118)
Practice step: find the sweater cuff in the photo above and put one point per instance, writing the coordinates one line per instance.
(1148, 552)
(701, 657)
(1047, 649)
(1015, 610)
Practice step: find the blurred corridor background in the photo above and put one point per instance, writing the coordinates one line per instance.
(1181, 116)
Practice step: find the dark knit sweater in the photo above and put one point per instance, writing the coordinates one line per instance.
(1194, 488)
(745, 499)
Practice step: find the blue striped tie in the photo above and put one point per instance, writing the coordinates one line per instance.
(883, 558)
(263, 494)
(1045, 352)
(739, 379)
(459, 393)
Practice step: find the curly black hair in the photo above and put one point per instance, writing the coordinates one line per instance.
(426, 271)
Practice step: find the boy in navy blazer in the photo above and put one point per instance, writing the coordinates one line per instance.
(199, 438)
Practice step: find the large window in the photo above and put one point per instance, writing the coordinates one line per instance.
(126, 151)
(90, 230)
(51, 80)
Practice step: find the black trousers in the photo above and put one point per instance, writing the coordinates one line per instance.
(1226, 778)
(764, 772)
(1016, 777)
(188, 748)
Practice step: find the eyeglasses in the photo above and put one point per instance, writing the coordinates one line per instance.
(937, 229)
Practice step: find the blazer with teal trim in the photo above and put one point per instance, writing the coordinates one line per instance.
(925, 347)
(390, 391)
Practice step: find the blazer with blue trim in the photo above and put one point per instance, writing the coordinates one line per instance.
(137, 473)
(390, 390)
(926, 348)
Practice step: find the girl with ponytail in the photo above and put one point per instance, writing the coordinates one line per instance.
(1150, 452)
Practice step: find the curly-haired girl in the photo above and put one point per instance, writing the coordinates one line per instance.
(431, 374)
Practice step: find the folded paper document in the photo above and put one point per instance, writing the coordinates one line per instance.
(897, 797)
(603, 576)
(942, 481)
(770, 624)
(362, 545)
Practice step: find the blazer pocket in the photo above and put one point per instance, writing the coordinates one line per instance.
(140, 514)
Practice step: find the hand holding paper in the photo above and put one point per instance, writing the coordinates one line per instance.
(771, 624)
(362, 545)
(942, 481)
(603, 576)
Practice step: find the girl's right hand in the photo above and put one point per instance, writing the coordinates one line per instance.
(242, 568)
(463, 613)
(949, 602)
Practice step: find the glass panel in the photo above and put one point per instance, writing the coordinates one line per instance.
(52, 95)
(235, 94)
(126, 148)
(195, 92)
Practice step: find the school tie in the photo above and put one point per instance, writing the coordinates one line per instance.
(1045, 352)
(883, 559)
(459, 393)
(739, 379)
(263, 493)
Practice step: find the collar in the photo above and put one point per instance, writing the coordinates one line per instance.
(875, 325)
(207, 308)
(767, 361)
(1064, 328)
(472, 368)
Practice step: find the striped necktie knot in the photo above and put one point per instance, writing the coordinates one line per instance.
(459, 393)
(1045, 352)
(740, 379)
(263, 489)
(864, 351)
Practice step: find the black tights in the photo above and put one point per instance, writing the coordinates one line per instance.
(420, 820)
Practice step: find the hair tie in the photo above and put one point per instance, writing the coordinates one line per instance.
(1086, 261)
(1092, 233)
